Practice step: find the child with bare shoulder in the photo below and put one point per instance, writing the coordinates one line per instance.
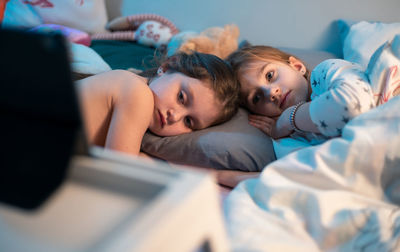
(187, 92)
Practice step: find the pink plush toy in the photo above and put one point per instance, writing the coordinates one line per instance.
(73, 35)
(145, 29)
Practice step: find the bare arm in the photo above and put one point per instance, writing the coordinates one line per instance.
(132, 110)
(117, 108)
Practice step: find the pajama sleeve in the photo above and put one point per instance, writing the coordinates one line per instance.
(340, 92)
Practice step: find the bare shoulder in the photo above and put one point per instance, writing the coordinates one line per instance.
(132, 103)
(129, 93)
(130, 87)
(116, 85)
(113, 78)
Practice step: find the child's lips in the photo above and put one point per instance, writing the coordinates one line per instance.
(162, 119)
(283, 101)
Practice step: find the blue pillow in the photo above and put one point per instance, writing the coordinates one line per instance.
(344, 26)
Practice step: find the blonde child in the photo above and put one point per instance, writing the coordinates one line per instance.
(287, 100)
(187, 92)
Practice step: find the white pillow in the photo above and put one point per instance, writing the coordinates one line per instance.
(384, 71)
(86, 60)
(363, 38)
(85, 15)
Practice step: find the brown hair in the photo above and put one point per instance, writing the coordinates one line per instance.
(203, 66)
(242, 57)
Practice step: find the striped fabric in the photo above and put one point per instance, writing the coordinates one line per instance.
(134, 22)
(117, 35)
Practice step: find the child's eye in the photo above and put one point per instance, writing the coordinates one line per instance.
(181, 97)
(269, 75)
(188, 122)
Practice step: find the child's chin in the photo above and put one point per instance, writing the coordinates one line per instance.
(155, 131)
(159, 132)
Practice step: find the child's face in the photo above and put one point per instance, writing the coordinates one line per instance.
(182, 104)
(270, 87)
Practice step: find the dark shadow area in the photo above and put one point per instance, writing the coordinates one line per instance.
(40, 117)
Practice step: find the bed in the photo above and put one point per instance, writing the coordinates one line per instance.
(342, 195)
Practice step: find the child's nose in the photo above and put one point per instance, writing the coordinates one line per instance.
(274, 93)
(174, 116)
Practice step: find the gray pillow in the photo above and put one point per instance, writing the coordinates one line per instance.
(234, 145)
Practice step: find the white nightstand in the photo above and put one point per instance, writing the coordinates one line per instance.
(129, 205)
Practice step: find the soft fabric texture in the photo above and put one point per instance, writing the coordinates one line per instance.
(342, 195)
(383, 75)
(361, 39)
(73, 35)
(86, 61)
(153, 33)
(85, 15)
(340, 92)
(134, 21)
(125, 54)
(384, 71)
(2, 8)
(146, 29)
(234, 145)
(220, 41)
(344, 26)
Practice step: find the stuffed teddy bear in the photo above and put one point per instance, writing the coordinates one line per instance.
(220, 41)
(145, 29)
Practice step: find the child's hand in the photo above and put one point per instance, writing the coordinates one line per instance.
(283, 127)
(264, 123)
(273, 127)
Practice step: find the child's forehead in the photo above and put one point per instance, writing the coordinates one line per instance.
(261, 63)
(194, 83)
(254, 65)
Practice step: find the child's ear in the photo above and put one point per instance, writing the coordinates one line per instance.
(297, 65)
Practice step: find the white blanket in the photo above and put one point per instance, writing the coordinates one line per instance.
(342, 195)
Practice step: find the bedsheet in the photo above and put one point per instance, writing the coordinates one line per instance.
(338, 196)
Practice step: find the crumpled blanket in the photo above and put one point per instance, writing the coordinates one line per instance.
(342, 195)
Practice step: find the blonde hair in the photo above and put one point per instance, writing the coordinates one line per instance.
(241, 58)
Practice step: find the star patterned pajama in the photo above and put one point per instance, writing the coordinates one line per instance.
(340, 92)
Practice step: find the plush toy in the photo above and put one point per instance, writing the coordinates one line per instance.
(145, 29)
(73, 35)
(220, 41)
